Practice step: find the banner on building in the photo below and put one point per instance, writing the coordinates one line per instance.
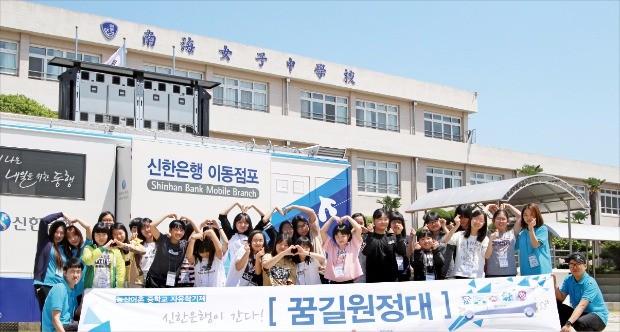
(510, 304)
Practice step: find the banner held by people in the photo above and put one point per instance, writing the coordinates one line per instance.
(511, 304)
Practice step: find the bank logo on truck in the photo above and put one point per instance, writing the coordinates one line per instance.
(5, 221)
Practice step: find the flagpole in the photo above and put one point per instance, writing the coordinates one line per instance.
(174, 62)
(124, 54)
(76, 42)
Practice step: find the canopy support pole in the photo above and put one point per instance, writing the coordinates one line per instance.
(570, 237)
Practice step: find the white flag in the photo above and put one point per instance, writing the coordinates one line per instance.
(118, 58)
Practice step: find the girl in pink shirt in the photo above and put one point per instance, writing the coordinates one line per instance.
(342, 249)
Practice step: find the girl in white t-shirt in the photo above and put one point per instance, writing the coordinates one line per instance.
(307, 262)
(247, 269)
(204, 252)
(471, 246)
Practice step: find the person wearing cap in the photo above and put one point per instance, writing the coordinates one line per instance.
(588, 311)
(168, 255)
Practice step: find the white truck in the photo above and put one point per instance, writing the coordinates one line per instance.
(82, 169)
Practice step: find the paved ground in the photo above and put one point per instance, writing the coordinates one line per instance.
(613, 324)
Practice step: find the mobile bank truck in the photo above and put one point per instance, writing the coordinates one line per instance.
(82, 169)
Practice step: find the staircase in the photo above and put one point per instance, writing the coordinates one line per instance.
(610, 287)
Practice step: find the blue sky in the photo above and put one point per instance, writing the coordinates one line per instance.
(547, 73)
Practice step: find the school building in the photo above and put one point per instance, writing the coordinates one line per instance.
(403, 137)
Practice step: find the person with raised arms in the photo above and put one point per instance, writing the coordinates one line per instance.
(169, 253)
(342, 248)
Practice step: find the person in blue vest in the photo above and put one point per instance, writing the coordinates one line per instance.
(588, 311)
(61, 301)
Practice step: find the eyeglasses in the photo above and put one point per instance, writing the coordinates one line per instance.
(573, 265)
(433, 222)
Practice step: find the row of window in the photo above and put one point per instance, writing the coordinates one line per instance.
(383, 177)
(247, 94)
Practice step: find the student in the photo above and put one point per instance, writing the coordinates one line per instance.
(402, 261)
(464, 213)
(361, 220)
(169, 254)
(588, 312)
(306, 227)
(307, 263)
(381, 249)
(127, 248)
(107, 218)
(533, 243)
(278, 268)
(342, 249)
(76, 244)
(50, 255)
(237, 234)
(75, 239)
(427, 260)
(141, 263)
(204, 252)
(62, 302)
(471, 246)
(247, 267)
(108, 266)
(134, 227)
(187, 274)
(501, 249)
(433, 222)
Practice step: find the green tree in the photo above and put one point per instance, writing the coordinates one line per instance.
(389, 203)
(527, 170)
(594, 187)
(20, 104)
(579, 216)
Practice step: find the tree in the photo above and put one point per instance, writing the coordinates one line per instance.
(20, 104)
(527, 170)
(389, 204)
(594, 187)
(579, 216)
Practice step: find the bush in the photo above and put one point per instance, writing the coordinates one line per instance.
(20, 104)
(611, 250)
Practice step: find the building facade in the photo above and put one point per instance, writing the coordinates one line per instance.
(403, 137)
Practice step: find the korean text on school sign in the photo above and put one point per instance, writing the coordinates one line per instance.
(517, 303)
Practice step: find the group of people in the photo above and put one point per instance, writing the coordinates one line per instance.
(297, 252)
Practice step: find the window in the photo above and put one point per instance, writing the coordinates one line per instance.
(437, 178)
(377, 177)
(168, 71)
(442, 126)
(8, 57)
(478, 178)
(581, 190)
(610, 201)
(375, 115)
(241, 94)
(319, 106)
(39, 56)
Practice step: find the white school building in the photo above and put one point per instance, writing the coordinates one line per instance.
(403, 137)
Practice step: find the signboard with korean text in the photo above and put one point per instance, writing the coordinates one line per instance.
(196, 181)
(42, 173)
(88, 158)
(508, 304)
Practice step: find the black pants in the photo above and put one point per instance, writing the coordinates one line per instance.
(40, 292)
(587, 321)
(70, 326)
(155, 282)
(340, 282)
